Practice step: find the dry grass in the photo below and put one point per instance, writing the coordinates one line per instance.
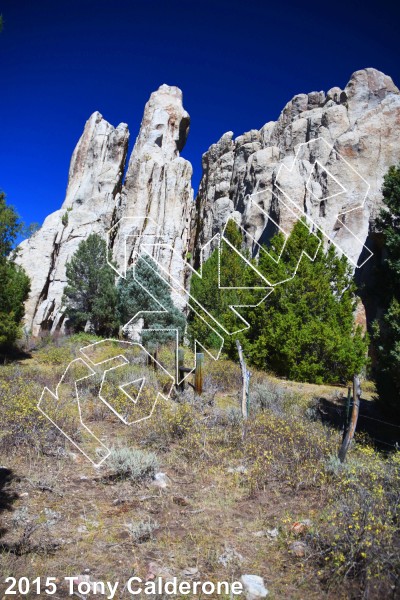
(227, 483)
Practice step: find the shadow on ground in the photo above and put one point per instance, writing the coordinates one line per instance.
(7, 496)
(384, 434)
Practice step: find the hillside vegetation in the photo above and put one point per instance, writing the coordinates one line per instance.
(266, 496)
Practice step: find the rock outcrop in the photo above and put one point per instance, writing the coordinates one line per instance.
(359, 127)
(94, 182)
(157, 185)
(157, 197)
(325, 157)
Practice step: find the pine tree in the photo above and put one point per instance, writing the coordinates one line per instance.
(386, 330)
(143, 289)
(90, 295)
(15, 284)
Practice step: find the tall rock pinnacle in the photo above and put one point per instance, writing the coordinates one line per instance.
(158, 184)
(157, 197)
(95, 179)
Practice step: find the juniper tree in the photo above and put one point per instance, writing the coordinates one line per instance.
(305, 328)
(386, 329)
(216, 291)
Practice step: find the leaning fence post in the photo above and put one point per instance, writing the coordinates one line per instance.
(347, 413)
(198, 375)
(353, 421)
(155, 358)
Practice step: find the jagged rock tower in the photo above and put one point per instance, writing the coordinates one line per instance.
(157, 184)
(361, 123)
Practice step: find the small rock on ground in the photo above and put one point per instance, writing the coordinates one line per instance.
(230, 556)
(299, 549)
(161, 480)
(254, 587)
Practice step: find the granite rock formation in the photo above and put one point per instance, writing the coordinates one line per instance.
(156, 201)
(359, 127)
(94, 182)
(325, 157)
(157, 185)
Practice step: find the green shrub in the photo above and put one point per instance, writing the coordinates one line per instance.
(305, 329)
(90, 296)
(385, 289)
(21, 422)
(15, 283)
(53, 355)
(358, 536)
(143, 289)
(291, 450)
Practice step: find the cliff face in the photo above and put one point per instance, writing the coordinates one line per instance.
(157, 197)
(276, 166)
(324, 157)
(157, 185)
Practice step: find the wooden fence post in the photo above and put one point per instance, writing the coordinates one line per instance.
(351, 428)
(180, 382)
(155, 357)
(151, 359)
(245, 382)
(347, 413)
(198, 375)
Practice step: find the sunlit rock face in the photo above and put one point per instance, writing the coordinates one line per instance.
(94, 181)
(325, 157)
(157, 198)
(157, 185)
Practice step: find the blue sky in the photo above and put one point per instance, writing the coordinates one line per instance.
(237, 63)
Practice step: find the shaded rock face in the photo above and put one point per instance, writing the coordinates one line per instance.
(275, 166)
(157, 185)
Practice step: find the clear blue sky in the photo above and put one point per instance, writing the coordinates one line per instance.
(237, 63)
